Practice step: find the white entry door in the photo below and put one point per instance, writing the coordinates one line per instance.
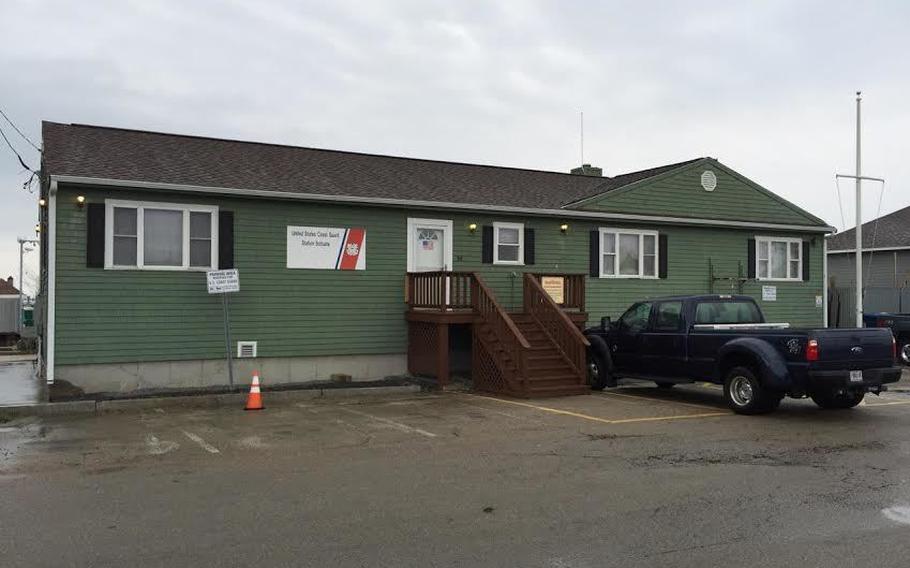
(429, 245)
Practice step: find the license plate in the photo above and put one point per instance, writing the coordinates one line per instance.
(856, 376)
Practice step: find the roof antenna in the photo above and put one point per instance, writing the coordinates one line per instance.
(582, 137)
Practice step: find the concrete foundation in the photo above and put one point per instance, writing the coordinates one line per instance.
(125, 377)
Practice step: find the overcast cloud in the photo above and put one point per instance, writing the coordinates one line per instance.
(766, 87)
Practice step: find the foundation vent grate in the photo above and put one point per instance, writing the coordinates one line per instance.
(246, 349)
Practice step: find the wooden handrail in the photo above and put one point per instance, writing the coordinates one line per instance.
(570, 341)
(501, 314)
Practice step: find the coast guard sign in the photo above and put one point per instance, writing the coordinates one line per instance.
(327, 248)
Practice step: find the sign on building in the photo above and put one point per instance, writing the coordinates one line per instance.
(223, 281)
(769, 293)
(327, 248)
(554, 286)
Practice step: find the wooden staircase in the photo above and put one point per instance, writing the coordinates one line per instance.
(532, 354)
(537, 352)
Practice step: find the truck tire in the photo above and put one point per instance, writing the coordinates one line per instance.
(745, 394)
(903, 349)
(599, 364)
(837, 400)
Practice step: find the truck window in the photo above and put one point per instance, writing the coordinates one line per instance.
(636, 318)
(727, 312)
(668, 316)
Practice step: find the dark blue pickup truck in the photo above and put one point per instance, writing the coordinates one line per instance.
(899, 324)
(725, 340)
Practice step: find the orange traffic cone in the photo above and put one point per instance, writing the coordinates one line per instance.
(254, 400)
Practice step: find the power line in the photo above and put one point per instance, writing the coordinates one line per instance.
(8, 143)
(16, 128)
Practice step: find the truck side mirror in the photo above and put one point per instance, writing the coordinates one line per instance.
(605, 323)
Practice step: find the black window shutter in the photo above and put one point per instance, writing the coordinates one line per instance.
(662, 256)
(529, 246)
(94, 239)
(594, 260)
(225, 239)
(487, 254)
(750, 263)
(806, 259)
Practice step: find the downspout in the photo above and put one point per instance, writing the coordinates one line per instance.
(825, 284)
(51, 233)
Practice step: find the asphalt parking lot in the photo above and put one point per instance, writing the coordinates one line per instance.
(630, 477)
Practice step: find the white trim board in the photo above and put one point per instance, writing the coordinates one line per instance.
(51, 280)
(409, 203)
(878, 249)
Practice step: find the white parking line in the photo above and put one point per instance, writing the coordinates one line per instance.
(397, 425)
(205, 445)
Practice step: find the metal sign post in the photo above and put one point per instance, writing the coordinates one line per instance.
(225, 282)
(227, 339)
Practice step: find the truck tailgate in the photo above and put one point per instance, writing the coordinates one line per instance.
(864, 348)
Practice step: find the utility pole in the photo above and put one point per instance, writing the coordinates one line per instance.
(859, 215)
(22, 243)
(859, 177)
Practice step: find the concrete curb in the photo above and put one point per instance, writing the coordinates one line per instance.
(233, 400)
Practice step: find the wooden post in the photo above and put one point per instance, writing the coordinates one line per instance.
(442, 354)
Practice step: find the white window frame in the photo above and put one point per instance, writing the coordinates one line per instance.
(521, 243)
(641, 253)
(141, 206)
(788, 241)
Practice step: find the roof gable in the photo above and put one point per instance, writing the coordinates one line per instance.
(679, 190)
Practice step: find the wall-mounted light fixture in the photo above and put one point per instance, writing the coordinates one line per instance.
(472, 227)
(42, 202)
(564, 228)
(80, 201)
(38, 228)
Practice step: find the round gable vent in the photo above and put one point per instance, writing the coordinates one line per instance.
(708, 180)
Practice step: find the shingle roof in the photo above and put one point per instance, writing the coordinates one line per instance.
(7, 288)
(893, 230)
(135, 155)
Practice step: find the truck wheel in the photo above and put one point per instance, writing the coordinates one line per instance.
(599, 375)
(837, 400)
(745, 394)
(903, 350)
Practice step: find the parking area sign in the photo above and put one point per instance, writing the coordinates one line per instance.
(223, 281)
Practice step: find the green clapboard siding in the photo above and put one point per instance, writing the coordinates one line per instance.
(680, 194)
(108, 316)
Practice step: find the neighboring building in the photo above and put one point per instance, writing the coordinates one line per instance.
(886, 269)
(9, 312)
(323, 241)
(886, 253)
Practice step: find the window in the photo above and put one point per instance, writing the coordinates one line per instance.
(508, 243)
(160, 236)
(669, 316)
(727, 312)
(778, 258)
(636, 318)
(628, 254)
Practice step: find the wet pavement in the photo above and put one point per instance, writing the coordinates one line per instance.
(19, 383)
(630, 477)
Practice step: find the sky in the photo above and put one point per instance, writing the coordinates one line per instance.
(767, 87)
